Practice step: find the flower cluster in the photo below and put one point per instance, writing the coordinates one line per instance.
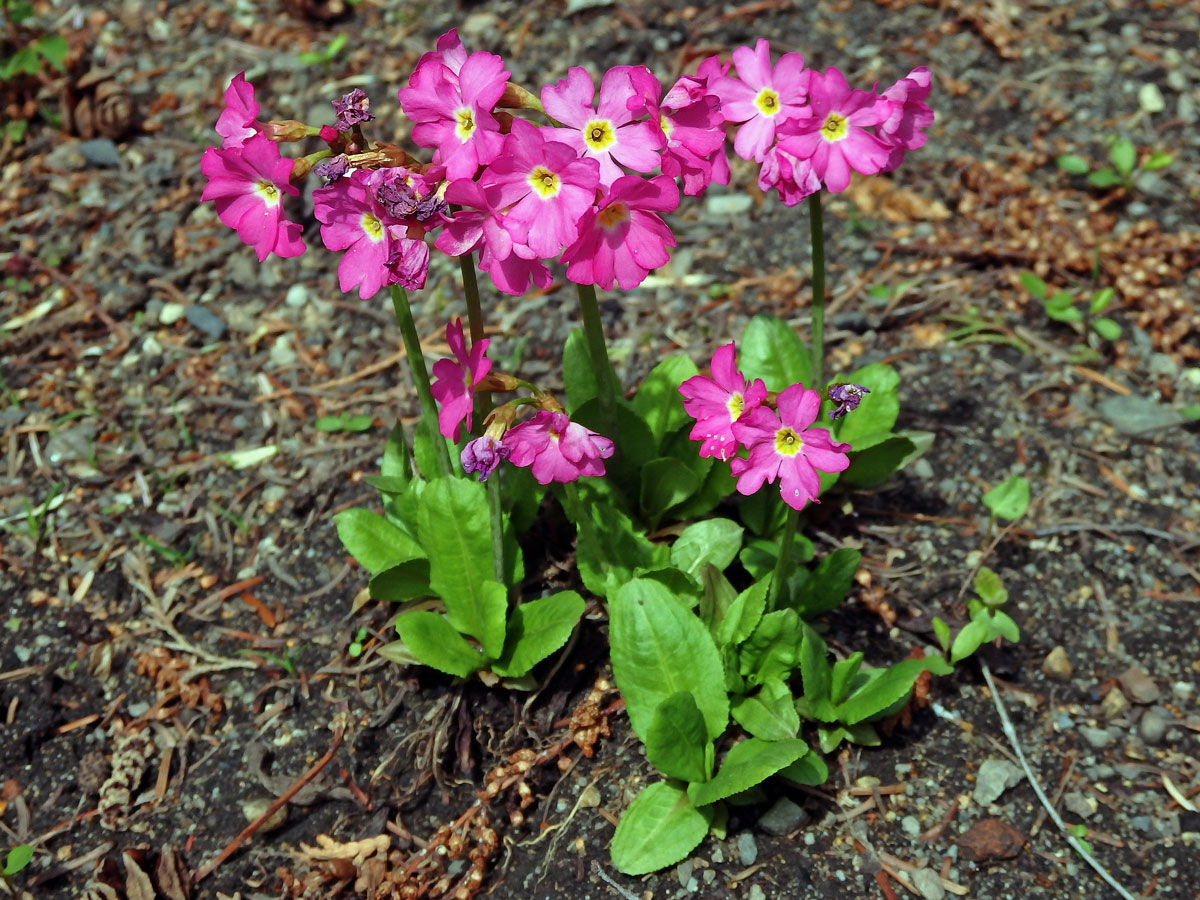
(587, 190)
(777, 433)
(552, 446)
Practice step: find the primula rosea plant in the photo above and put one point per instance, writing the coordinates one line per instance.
(686, 494)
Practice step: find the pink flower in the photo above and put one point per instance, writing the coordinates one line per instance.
(622, 238)
(238, 120)
(454, 385)
(717, 403)
(691, 121)
(543, 187)
(793, 178)
(785, 446)
(369, 216)
(909, 115)
(246, 184)
(452, 110)
(606, 132)
(557, 449)
(763, 97)
(836, 139)
(483, 455)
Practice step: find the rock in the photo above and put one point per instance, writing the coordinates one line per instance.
(256, 806)
(1150, 98)
(1114, 705)
(747, 848)
(1079, 805)
(171, 313)
(66, 157)
(207, 321)
(297, 295)
(1152, 726)
(928, 883)
(683, 872)
(756, 893)
(590, 797)
(101, 152)
(990, 839)
(1138, 686)
(994, 778)
(1057, 665)
(784, 817)
(910, 826)
(1098, 738)
(1131, 414)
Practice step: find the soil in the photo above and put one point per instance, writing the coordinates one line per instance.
(175, 650)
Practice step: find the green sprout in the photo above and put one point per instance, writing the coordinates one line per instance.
(326, 55)
(1062, 306)
(1123, 155)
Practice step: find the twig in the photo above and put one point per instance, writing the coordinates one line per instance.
(624, 892)
(1011, 734)
(246, 832)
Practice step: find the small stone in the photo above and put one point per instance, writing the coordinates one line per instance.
(747, 848)
(1099, 738)
(728, 204)
(1133, 414)
(1079, 805)
(994, 778)
(683, 872)
(589, 798)
(1057, 665)
(929, 884)
(101, 152)
(1150, 98)
(756, 893)
(253, 808)
(1138, 686)
(206, 321)
(1114, 705)
(171, 313)
(784, 817)
(282, 353)
(1141, 823)
(910, 826)
(1152, 726)
(297, 295)
(1183, 690)
(990, 839)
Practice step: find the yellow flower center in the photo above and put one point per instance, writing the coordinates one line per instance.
(787, 442)
(767, 102)
(613, 215)
(466, 124)
(835, 127)
(544, 182)
(373, 227)
(666, 125)
(599, 134)
(268, 192)
(736, 404)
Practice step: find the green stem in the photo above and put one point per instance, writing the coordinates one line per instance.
(496, 514)
(420, 376)
(606, 376)
(817, 331)
(783, 565)
(466, 264)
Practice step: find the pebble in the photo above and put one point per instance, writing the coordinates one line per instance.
(171, 313)
(1138, 686)
(1098, 738)
(929, 884)
(256, 806)
(683, 872)
(1134, 414)
(282, 353)
(784, 817)
(589, 798)
(297, 295)
(1114, 705)
(206, 321)
(1152, 726)
(994, 778)
(1080, 805)
(1150, 98)
(747, 848)
(1057, 664)
(101, 152)
(910, 825)
(756, 893)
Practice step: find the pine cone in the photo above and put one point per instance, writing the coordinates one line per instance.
(316, 10)
(96, 105)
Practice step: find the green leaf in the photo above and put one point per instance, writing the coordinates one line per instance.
(942, 631)
(1190, 412)
(714, 541)
(1065, 314)
(245, 459)
(579, 375)
(1059, 301)
(436, 643)
(773, 648)
(771, 350)
(660, 648)
(743, 614)
(1005, 627)
(676, 741)
(402, 582)
(876, 464)
(1009, 499)
(989, 587)
(770, 714)
(14, 130)
(54, 48)
(24, 61)
(814, 668)
(1103, 178)
(1107, 328)
(375, 542)
(828, 738)
(1031, 282)
(1123, 155)
(843, 675)
(536, 629)
(619, 552)
(660, 827)
(747, 764)
(830, 582)
(17, 859)
(456, 534)
(1157, 160)
(716, 595)
(887, 688)
(1072, 164)
(1100, 301)
(18, 11)
(658, 401)
(967, 641)
(878, 410)
(396, 462)
(666, 482)
(809, 769)
(343, 423)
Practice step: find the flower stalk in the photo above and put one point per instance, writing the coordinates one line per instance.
(420, 375)
(817, 234)
(606, 376)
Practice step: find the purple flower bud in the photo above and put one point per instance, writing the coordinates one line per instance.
(408, 260)
(846, 397)
(430, 206)
(332, 167)
(398, 198)
(483, 455)
(353, 109)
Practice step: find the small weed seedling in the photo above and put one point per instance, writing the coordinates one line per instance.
(325, 55)
(16, 860)
(1061, 306)
(344, 422)
(1123, 156)
(28, 60)
(1009, 499)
